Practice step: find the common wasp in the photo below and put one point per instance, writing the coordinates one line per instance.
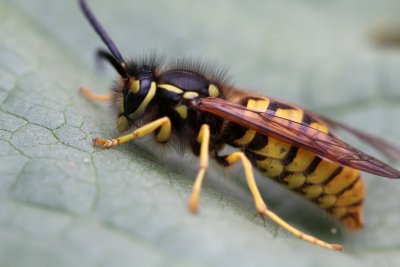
(196, 108)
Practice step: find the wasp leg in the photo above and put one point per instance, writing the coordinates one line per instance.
(162, 136)
(204, 139)
(88, 94)
(261, 206)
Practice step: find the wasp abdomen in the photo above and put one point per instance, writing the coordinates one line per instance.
(336, 188)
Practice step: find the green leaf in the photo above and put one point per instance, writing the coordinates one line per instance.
(65, 203)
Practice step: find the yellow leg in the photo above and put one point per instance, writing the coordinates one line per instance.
(204, 140)
(165, 130)
(88, 94)
(262, 208)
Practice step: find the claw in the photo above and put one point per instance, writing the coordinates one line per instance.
(104, 143)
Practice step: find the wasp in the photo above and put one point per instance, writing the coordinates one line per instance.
(196, 108)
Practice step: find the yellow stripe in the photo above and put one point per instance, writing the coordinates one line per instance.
(327, 201)
(135, 86)
(320, 127)
(322, 172)
(170, 88)
(295, 180)
(145, 102)
(274, 149)
(312, 191)
(259, 105)
(213, 90)
(346, 177)
(354, 195)
(301, 162)
(182, 111)
(246, 138)
(290, 114)
(339, 212)
(273, 167)
(190, 95)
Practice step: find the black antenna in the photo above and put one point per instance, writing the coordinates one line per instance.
(101, 32)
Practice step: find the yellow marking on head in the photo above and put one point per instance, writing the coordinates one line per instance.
(352, 196)
(312, 191)
(322, 172)
(145, 102)
(120, 103)
(290, 114)
(170, 88)
(122, 124)
(345, 177)
(320, 127)
(301, 162)
(295, 180)
(259, 105)
(213, 90)
(327, 201)
(190, 95)
(182, 111)
(246, 138)
(273, 167)
(274, 149)
(135, 86)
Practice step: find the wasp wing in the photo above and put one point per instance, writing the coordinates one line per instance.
(389, 150)
(299, 134)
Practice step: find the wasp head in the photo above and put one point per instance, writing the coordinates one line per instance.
(134, 94)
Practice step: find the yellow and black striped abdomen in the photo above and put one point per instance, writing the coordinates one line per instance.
(335, 188)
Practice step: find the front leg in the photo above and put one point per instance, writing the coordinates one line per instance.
(90, 95)
(163, 135)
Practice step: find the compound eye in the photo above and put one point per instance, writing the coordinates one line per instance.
(145, 84)
(140, 86)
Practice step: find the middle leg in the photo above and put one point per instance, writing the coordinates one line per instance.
(262, 207)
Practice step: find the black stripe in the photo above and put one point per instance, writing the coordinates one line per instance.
(290, 156)
(307, 119)
(313, 165)
(356, 204)
(272, 106)
(281, 177)
(275, 105)
(333, 175)
(259, 141)
(348, 187)
(354, 215)
(253, 156)
(233, 132)
(245, 101)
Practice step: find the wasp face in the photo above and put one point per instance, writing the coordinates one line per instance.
(137, 93)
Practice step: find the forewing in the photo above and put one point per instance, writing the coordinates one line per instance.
(386, 148)
(299, 134)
